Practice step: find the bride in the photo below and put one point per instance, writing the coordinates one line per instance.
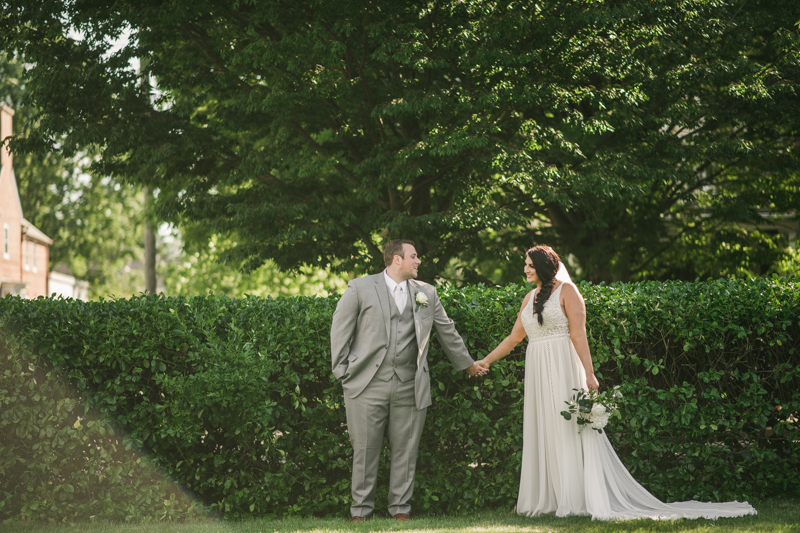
(563, 471)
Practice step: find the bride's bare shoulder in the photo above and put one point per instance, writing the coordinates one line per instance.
(569, 291)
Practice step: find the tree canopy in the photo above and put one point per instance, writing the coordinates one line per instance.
(639, 136)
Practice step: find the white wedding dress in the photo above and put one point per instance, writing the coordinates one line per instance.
(570, 473)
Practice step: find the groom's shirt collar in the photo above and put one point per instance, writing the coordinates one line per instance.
(392, 283)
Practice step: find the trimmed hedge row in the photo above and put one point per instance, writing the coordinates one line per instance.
(59, 461)
(234, 401)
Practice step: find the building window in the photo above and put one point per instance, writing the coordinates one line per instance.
(6, 242)
(27, 255)
(35, 249)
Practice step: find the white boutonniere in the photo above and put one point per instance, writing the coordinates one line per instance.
(421, 300)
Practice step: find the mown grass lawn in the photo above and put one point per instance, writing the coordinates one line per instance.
(773, 516)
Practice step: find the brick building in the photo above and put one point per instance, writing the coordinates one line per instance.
(24, 250)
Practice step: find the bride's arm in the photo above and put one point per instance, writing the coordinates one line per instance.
(575, 309)
(514, 338)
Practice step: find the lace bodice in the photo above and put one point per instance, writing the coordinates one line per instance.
(555, 321)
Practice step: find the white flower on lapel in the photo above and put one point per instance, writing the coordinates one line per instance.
(421, 299)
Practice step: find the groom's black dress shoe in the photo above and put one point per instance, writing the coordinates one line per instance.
(358, 519)
(403, 517)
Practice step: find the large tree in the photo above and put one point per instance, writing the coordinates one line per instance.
(627, 133)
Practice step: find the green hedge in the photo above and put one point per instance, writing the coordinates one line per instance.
(233, 400)
(59, 461)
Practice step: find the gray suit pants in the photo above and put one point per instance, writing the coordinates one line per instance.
(381, 404)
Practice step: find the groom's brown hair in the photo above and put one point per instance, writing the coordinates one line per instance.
(394, 248)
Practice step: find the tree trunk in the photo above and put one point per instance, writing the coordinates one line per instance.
(149, 244)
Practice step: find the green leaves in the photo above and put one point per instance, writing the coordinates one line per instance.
(91, 218)
(233, 400)
(642, 138)
(63, 464)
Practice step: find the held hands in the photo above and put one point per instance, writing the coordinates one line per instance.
(476, 370)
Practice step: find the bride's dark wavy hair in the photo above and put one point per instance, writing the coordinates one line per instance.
(545, 261)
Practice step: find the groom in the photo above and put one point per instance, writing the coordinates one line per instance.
(379, 346)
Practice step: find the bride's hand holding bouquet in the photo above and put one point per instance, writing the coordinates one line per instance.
(592, 408)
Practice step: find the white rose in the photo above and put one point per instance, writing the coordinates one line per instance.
(599, 424)
(598, 410)
(422, 299)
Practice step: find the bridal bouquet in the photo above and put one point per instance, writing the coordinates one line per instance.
(592, 408)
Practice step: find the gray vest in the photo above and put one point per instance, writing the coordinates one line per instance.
(401, 357)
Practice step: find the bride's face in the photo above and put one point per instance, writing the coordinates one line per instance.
(530, 272)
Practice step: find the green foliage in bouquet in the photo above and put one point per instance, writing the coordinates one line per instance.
(234, 402)
(592, 408)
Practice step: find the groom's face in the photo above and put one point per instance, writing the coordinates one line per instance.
(409, 264)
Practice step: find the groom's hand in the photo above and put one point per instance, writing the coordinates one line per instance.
(476, 370)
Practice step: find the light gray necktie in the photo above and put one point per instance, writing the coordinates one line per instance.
(400, 297)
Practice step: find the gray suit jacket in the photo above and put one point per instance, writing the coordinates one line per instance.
(360, 335)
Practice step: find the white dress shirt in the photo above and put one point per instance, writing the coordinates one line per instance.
(392, 284)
